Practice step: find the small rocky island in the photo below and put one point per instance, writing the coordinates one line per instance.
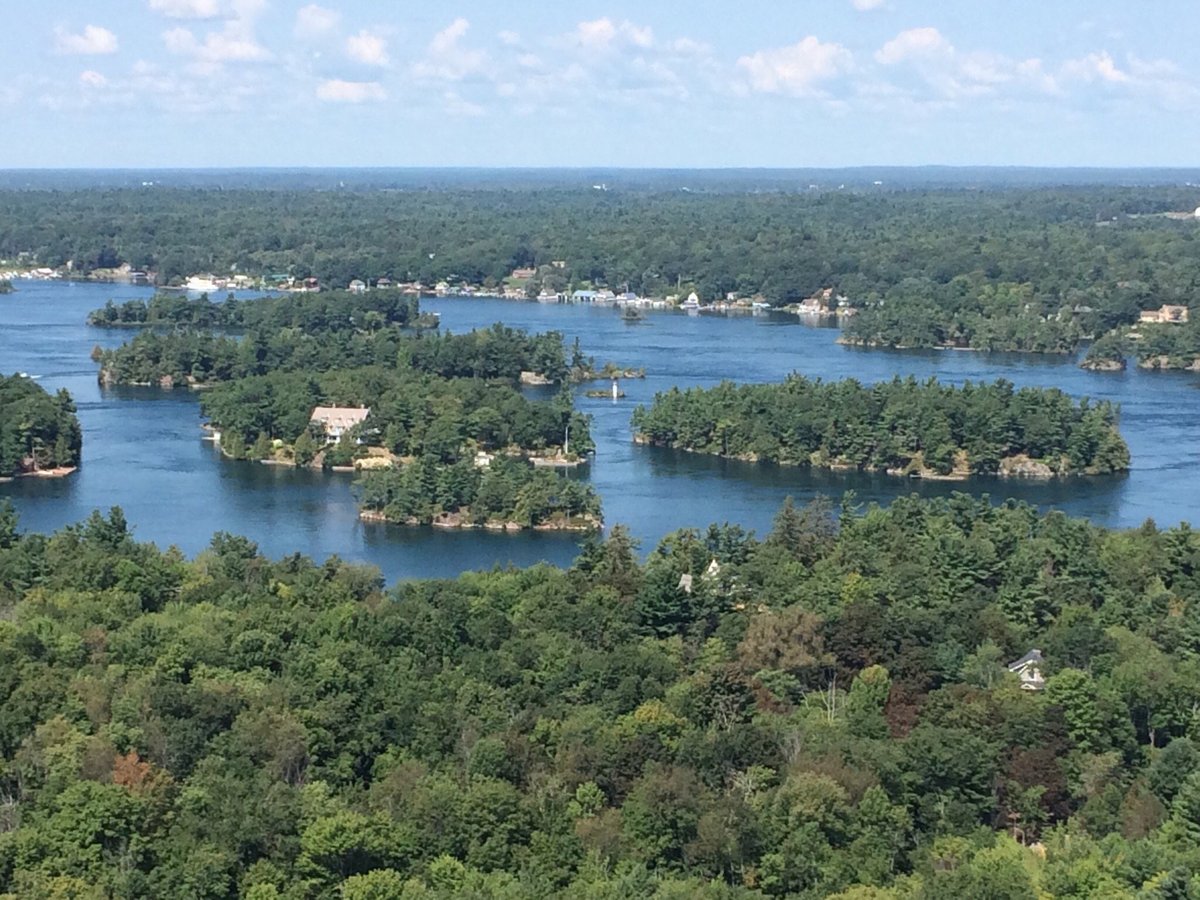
(903, 427)
(39, 432)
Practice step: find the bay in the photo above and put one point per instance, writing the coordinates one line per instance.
(142, 447)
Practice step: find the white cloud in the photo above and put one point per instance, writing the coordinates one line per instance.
(337, 91)
(313, 21)
(798, 69)
(446, 40)
(92, 79)
(914, 43)
(865, 5)
(1096, 67)
(187, 9)
(92, 41)
(447, 59)
(1157, 80)
(509, 38)
(229, 45)
(367, 48)
(601, 34)
(234, 42)
(686, 46)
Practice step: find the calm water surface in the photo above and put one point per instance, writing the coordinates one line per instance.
(142, 448)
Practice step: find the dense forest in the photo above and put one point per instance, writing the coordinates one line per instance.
(902, 427)
(198, 357)
(826, 712)
(970, 313)
(1036, 269)
(38, 431)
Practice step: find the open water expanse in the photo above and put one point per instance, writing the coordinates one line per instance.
(142, 447)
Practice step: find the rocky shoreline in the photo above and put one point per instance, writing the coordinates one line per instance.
(460, 521)
(1017, 467)
(61, 472)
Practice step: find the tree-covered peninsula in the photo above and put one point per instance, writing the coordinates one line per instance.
(944, 699)
(39, 432)
(902, 427)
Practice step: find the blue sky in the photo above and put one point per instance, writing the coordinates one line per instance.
(607, 83)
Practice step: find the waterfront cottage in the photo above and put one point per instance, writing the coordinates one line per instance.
(1168, 314)
(337, 420)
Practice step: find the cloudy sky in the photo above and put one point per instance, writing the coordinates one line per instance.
(599, 82)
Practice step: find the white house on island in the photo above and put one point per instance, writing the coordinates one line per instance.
(337, 420)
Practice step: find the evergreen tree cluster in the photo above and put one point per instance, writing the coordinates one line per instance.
(37, 430)
(468, 494)
(323, 311)
(411, 414)
(902, 426)
(197, 357)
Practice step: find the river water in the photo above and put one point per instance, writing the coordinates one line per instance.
(142, 447)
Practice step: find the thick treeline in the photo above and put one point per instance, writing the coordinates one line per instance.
(827, 712)
(973, 313)
(1031, 269)
(412, 414)
(195, 357)
(37, 430)
(327, 311)
(901, 426)
(464, 494)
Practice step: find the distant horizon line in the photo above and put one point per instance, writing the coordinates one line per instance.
(612, 168)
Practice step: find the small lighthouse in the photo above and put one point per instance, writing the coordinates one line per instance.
(616, 391)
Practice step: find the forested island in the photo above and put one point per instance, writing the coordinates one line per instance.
(827, 712)
(39, 432)
(506, 494)
(902, 427)
(436, 423)
(986, 267)
(320, 311)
